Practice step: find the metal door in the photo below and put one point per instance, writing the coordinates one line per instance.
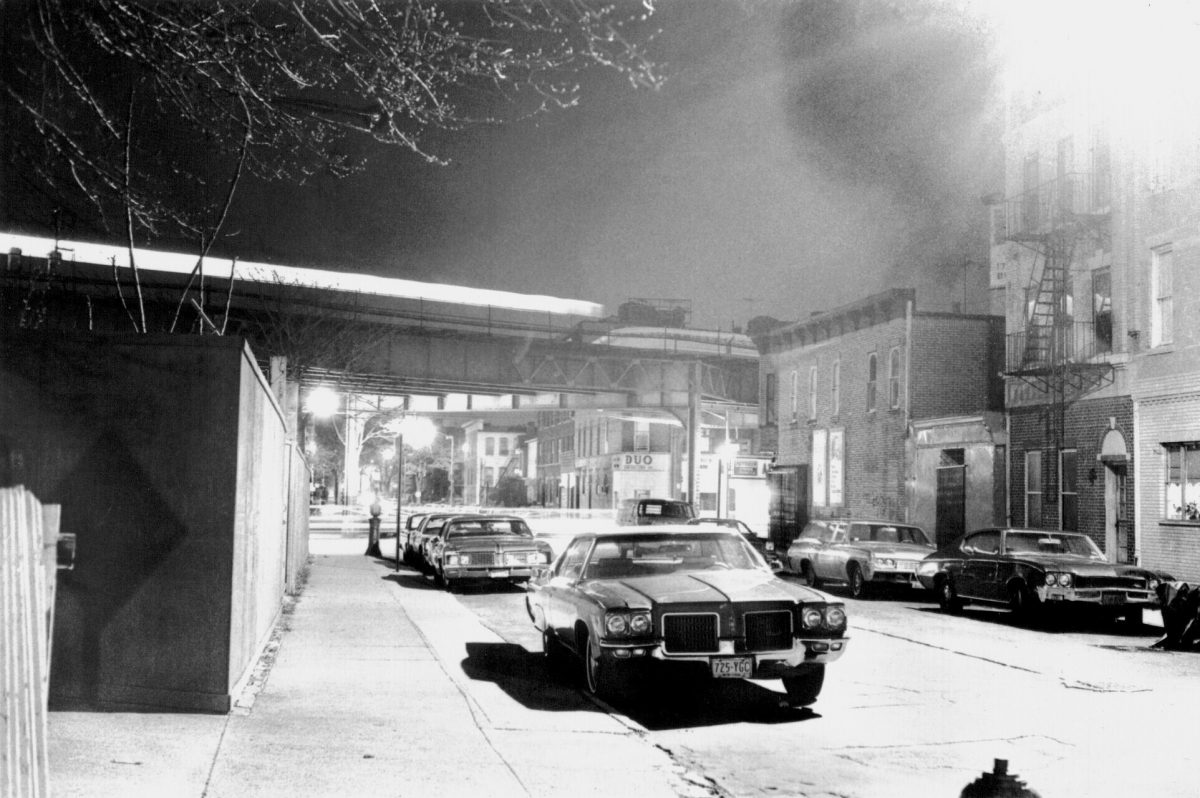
(951, 504)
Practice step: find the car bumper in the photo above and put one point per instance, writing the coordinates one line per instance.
(765, 664)
(1098, 597)
(486, 573)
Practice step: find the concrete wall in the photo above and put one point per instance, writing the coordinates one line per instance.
(164, 452)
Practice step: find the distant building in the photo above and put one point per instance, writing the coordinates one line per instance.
(881, 410)
(490, 454)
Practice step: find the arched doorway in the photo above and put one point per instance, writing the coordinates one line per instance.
(1114, 457)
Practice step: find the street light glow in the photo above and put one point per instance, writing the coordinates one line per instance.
(418, 431)
(322, 402)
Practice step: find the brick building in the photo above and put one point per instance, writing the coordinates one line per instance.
(1095, 249)
(843, 393)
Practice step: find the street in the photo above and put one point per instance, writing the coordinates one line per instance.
(921, 705)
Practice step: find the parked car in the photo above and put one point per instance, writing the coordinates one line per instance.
(409, 535)
(1030, 570)
(486, 548)
(863, 554)
(763, 546)
(428, 529)
(687, 597)
(644, 512)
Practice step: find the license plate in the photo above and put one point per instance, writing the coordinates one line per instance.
(1112, 598)
(498, 574)
(733, 668)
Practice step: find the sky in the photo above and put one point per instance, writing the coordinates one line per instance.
(801, 155)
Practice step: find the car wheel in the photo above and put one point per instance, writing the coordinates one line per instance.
(803, 688)
(809, 575)
(948, 598)
(855, 581)
(1022, 601)
(598, 676)
(553, 652)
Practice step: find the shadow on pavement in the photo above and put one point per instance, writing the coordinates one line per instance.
(1055, 622)
(658, 699)
(408, 578)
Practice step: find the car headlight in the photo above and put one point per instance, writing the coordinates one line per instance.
(1064, 580)
(625, 624)
(885, 563)
(1050, 579)
(835, 617)
(453, 558)
(1152, 584)
(811, 618)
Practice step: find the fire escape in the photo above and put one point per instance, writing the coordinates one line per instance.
(1056, 355)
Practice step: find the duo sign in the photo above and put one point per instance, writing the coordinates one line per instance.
(639, 461)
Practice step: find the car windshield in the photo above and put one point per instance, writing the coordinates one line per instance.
(887, 533)
(616, 557)
(667, 509)
(1049, 543)
(480, 528)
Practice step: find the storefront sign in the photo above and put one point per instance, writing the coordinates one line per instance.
(837, 439)
(639, 461)
(820, 454)
(745, 468)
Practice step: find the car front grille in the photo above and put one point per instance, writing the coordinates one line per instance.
(768, 631)
(1119, 582)
(481, 557)
(689, 634)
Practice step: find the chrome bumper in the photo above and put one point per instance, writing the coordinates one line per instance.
(804, 651)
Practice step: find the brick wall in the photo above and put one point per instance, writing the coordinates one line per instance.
(1173, 546)
(953, 365)
(1085, 423)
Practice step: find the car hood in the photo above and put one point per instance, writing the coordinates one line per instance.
(1082, 567)
(486, 542)
(881, 549)
(690, 587)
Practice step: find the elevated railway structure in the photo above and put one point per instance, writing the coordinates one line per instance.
(461, 350)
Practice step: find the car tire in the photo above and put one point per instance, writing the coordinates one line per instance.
(948, 598)
(599, 678)
(856, 582)
(1022, 601)
(804, 687)
(808, 575)
(553, 652)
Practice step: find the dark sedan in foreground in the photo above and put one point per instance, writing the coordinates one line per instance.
(1030, 571)
(688, 596)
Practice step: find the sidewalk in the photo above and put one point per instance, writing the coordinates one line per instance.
(369, 693)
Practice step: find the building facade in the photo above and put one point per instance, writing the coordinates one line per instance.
(841, 393)
(490, 454)
(1095, 249)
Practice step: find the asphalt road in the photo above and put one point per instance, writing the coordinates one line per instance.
(921, 705)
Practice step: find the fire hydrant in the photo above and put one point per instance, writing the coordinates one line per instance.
(998, 784)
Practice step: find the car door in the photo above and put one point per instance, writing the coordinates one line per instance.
(559, 602)
(978, 577)
(827, 560)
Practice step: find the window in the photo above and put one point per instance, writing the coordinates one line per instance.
(835, 388)
(770, 411)
(489, 445)
(1067, 492)
(1033, 489)
(812, 392)
(641, 436)
(795, 395)
(872, 380)
(1102, 309)
(894, 378)
(1183, 481)
(504, 446)
(1161, 267)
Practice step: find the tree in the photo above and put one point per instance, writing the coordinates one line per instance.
(140, 118)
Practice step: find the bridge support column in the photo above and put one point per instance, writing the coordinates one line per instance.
(693, 433)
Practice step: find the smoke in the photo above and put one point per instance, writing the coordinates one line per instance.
(901, 98)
